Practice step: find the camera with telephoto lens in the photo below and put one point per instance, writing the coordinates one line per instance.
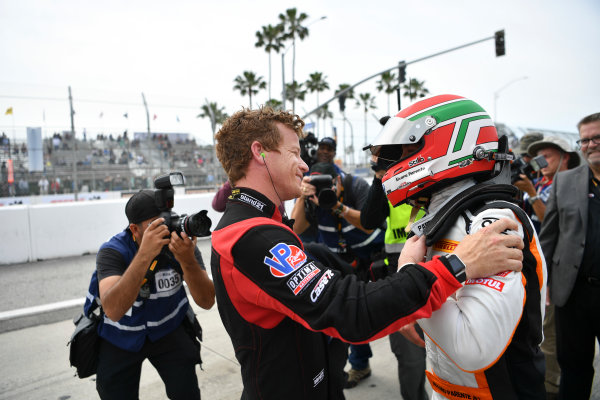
(308, 149)
(326, 195)
(197, 224)
(519, 166)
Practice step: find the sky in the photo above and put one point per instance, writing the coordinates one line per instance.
(180, 54)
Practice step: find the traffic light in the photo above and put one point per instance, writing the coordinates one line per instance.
(342, 101)
(401, 72)
(499, 37)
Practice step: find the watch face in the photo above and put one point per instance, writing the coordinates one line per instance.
(458, 267)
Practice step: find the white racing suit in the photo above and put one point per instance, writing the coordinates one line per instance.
(483, 343)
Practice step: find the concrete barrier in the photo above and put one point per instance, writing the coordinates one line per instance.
(45, 231)
(34, 232)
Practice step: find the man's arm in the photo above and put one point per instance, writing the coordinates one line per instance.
(118, 293)
(375, 210)
(301, 223)
(200, 286)
(321, 299)
(360, 190)
(539, 207)
(485, 253)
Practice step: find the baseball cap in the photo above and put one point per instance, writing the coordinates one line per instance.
(323, 168)
(329, 141)
(141, 206)
(557, 143)
(527, 139)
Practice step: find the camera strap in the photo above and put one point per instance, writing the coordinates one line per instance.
(149, 277)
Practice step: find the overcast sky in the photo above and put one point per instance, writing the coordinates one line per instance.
(182, 53)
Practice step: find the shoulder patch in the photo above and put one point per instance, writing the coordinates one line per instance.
(286, 258)
(302, 277)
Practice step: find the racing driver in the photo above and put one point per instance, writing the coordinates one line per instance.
(483, 343)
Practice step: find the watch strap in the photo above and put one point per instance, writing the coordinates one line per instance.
(456, 267)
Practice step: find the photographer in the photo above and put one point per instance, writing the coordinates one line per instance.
(560, 157)
(145, 304)
(335, 207)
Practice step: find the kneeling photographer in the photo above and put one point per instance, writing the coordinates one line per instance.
(146, 309)
(558, 156)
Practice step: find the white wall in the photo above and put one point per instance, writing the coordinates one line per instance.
(44, 231)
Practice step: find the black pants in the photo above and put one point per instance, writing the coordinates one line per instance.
(174, 357)
(577, 329)
(411, 366)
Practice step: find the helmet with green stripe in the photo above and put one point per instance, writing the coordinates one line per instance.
(434, 143)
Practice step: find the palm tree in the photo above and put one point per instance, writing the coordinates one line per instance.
(291, 22)
(294, 91)
(270, 38)
(316, 83)
(274, 104)
(388, 84)
(215, 114)
(249, 84)
(367, 102)
(415, 88)
(342, 101)
(324, 113)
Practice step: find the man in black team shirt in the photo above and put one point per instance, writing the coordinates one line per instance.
(280, 304)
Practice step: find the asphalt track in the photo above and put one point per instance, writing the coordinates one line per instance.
(38, 301)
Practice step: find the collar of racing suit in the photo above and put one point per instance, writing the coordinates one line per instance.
(449, 202)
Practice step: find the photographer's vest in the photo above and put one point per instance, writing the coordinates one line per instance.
(395, 234)
(342, 237)
(153, 317)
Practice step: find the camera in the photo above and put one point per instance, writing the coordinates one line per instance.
(197, 224)
(519, 166)
(308, 149)
(326, 195)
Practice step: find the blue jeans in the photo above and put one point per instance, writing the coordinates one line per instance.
(359, 356)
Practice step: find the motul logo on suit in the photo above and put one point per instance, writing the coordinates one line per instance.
(489, 282)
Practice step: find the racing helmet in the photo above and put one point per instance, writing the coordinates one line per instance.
(453, 137)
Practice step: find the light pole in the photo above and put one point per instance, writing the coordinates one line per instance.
(497, 94)
(283, 91)
(283, 94)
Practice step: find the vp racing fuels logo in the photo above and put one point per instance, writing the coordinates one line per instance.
(286, 259)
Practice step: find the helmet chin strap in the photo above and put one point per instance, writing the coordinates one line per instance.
(417, 204)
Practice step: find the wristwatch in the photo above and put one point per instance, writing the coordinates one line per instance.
(533, 199)
(456, 267)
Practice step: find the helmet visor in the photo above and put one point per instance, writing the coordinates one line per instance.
(401, 131)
